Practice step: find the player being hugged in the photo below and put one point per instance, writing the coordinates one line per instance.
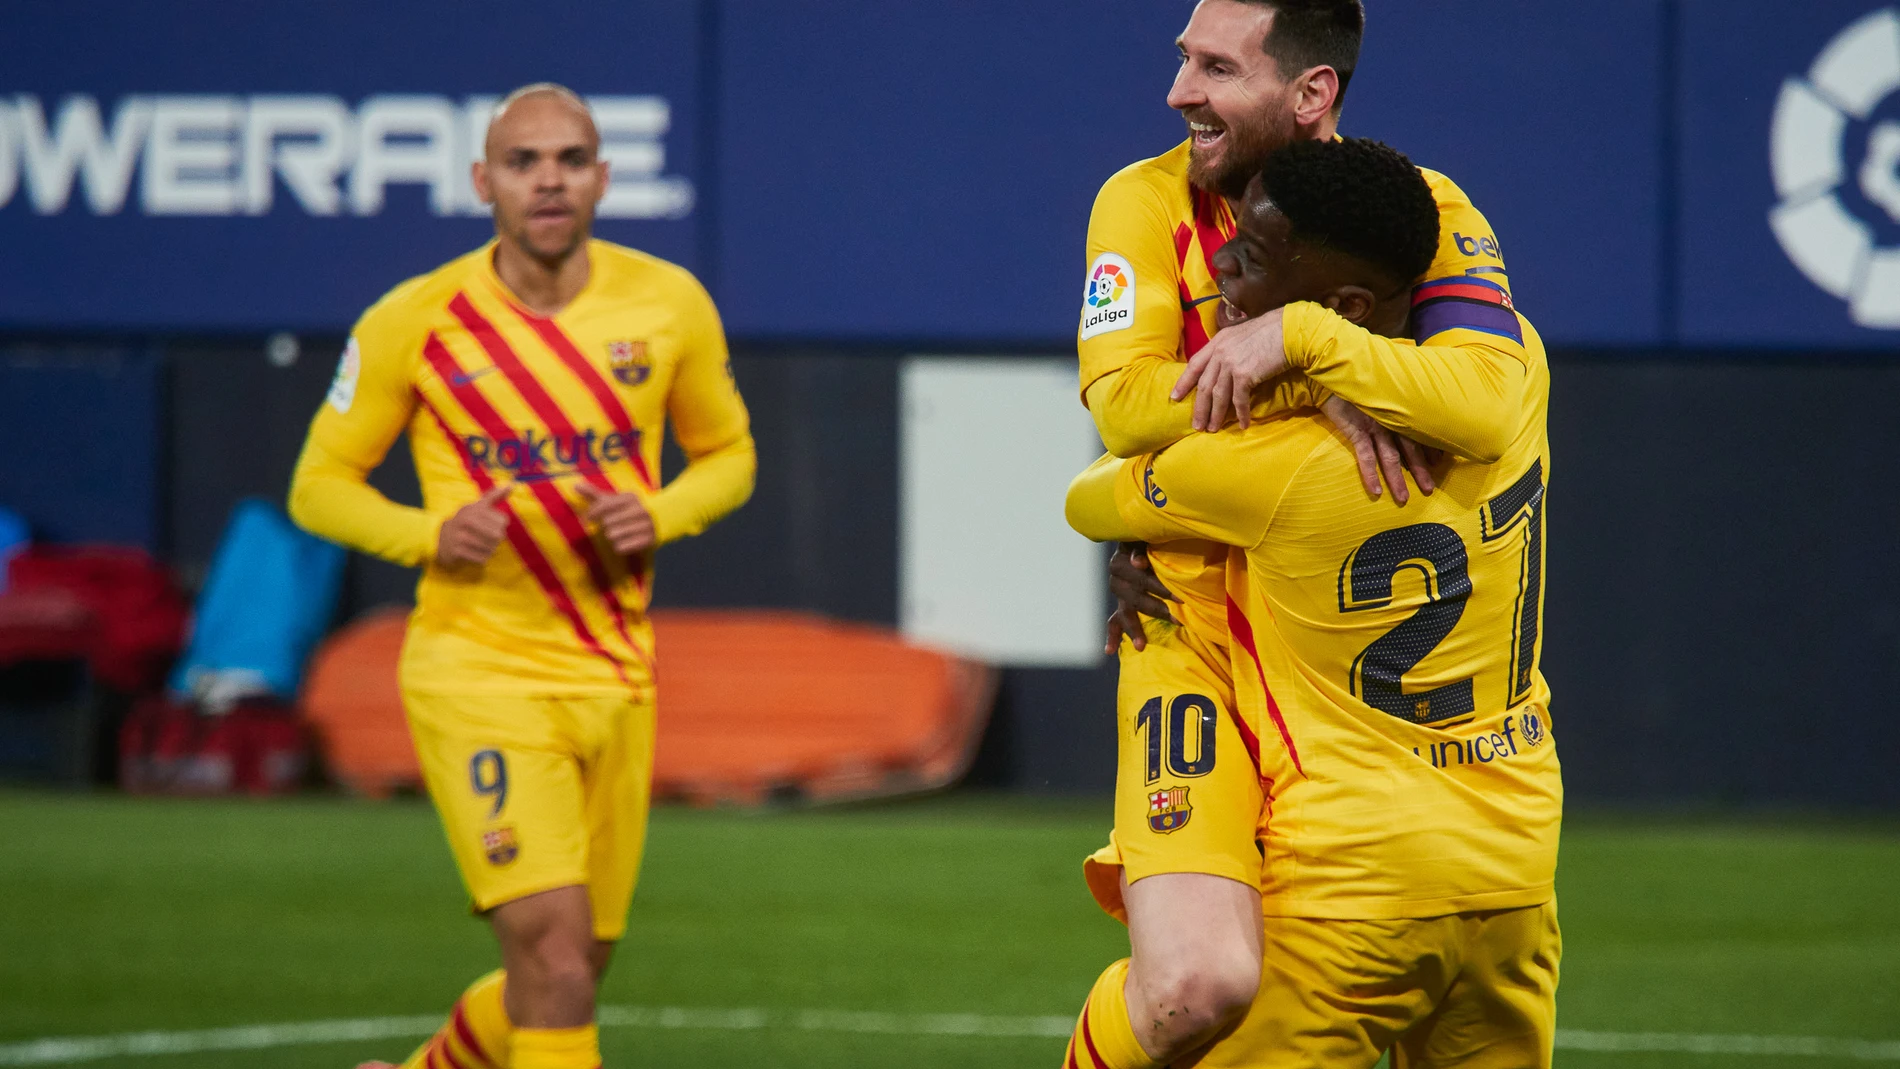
(1385, 667)
(534, 378)
(1183, 864)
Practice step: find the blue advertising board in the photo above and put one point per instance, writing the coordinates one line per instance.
(201, 165)
(1715, 173)
(1790, 174)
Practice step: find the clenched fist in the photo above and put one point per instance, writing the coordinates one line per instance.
(624, 521)
(471, 535)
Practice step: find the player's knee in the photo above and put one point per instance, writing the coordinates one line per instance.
(1205, 994)
(563, 971)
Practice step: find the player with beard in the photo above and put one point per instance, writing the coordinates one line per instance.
(1386, 657)
(1183, 869)
(534, 378)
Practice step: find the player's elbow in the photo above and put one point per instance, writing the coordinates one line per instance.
(1084, 516)
(1486, 445)
(303, 503)
(745, 471)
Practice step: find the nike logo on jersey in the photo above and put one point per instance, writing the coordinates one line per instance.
(462, 378)
(1187, 304)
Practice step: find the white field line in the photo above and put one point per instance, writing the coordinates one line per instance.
(74, 1049)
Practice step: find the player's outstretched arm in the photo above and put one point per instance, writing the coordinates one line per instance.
(713, 429)
(368, 406)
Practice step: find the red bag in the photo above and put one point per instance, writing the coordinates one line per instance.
(168, 747)
(138, 615)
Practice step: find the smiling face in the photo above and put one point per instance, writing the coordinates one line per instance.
(1266, 266)
(543, 174)
(1238, 108)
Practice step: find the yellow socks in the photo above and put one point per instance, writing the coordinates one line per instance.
(477, 1034)
(557, 1048)
(1103, 1037)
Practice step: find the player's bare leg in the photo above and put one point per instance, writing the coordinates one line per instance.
(549, 952)
(1195, 964)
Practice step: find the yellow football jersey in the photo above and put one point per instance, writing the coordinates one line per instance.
(1148, 305)
(490, 394)
(1385, 658)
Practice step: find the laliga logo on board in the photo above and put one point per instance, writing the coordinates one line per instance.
(1108, 300)
(1820, 122)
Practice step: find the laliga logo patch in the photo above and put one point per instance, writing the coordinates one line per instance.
(1168, 809)
(1835, 150)
(498, 844)
(343, 387)
(1533, 726)
(629, 361)
(1108, 300)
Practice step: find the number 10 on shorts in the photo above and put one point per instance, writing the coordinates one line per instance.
(1196, 711)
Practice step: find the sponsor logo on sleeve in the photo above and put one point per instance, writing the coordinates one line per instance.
(1108, 301)
(343, 387)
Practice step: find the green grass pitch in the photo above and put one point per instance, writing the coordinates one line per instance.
(122, 915)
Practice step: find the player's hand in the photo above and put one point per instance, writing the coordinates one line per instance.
(1223, 374)
(622, 518)
(1383, 454)
(471, 535)
(1137, 592)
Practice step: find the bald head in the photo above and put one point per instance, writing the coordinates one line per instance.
(535, 106)
(541, 171)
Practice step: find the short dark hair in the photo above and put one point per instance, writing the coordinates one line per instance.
(1315, 33)
(1359, 197)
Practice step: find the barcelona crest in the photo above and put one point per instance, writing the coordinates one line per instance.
(499, 845)
(629, 361)
(1168, 809)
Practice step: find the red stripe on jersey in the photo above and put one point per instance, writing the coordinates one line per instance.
(531, 556)
(610, 404)
(434, 1060)
(1089, 1042)
(1242, 630)
(566, 519)
(1471, 291)
(459, 1021)
(1213, 225)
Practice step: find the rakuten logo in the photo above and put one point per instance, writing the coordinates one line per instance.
(227, 155)
(533, 455)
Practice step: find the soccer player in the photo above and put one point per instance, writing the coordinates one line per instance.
(534, 378)
(1385, 661)
(1255, 75)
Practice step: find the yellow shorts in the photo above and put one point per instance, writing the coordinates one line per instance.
(537, 793)
(1472, 990)
(1187, 791)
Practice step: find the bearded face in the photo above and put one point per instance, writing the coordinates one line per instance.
(1226, 151)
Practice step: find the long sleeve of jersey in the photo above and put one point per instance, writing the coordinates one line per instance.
(1469, 394)
(1134, 415)
(1466, 385)
(1221, 487)
(369, 405)
(713, 429)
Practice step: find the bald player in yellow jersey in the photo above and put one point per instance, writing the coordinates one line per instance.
(1254, 76)
(1385, 660)
(534, 378)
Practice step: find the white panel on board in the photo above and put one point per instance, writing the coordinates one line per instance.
(987, 564)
